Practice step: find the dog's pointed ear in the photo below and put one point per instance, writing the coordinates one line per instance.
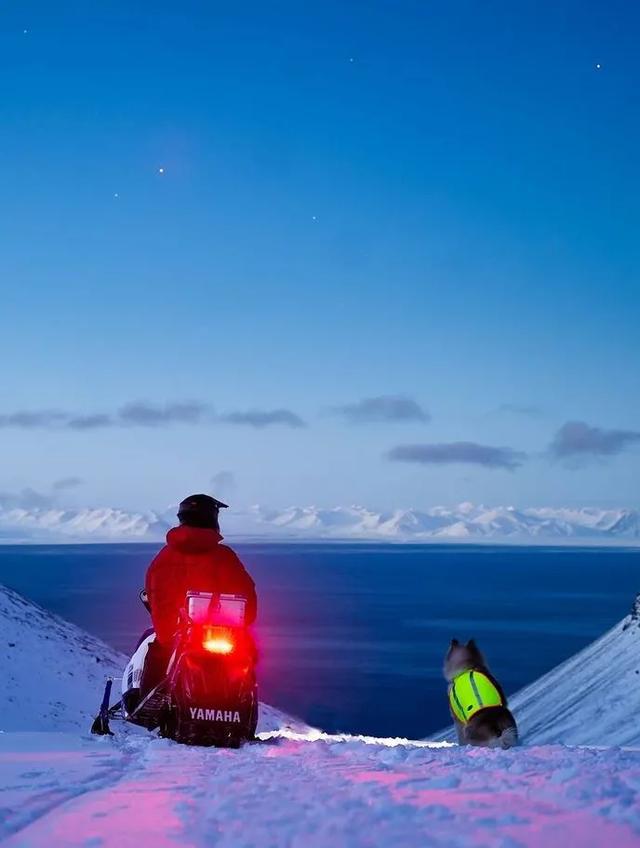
(454, 643)
(471, 644)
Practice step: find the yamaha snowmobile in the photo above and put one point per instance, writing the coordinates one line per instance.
(208, 693)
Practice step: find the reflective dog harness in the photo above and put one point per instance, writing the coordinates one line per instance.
(471, 692)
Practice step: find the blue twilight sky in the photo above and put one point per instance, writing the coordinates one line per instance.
(411, 226)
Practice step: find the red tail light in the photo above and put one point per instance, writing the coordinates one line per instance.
(217, 640)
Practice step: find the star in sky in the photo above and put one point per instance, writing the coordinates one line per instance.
(161, 170)
(598, 66)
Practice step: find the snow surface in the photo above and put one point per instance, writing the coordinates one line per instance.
(63, 790)
(295, 787)
(463, 523)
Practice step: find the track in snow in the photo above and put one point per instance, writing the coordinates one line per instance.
(312, 789)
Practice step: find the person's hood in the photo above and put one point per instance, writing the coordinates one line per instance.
(192, 540)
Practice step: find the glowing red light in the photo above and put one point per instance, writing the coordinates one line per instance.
(218, 645)
(217, 640)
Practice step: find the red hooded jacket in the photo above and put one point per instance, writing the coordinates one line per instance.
(193, 558)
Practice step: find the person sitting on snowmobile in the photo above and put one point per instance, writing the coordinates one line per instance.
(193, 559)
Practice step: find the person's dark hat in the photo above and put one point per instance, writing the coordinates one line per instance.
(200, 511)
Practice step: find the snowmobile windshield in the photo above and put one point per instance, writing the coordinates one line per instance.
(214, 609)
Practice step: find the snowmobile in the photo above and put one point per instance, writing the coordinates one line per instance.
(208, 694)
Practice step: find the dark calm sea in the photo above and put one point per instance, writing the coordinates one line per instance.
(352, 636)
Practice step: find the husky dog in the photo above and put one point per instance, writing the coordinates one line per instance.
(477, 702)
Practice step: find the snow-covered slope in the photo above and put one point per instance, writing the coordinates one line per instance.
(465, 522)
(296, 787)
(591, 699)
(51, 671)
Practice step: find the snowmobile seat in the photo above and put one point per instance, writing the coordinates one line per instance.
(148, 632)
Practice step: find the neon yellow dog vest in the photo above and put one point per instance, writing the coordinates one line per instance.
(471, 692)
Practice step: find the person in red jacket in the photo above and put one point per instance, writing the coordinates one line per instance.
(192, 559)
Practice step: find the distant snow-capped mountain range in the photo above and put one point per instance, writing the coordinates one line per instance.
(105, 524)
(463, 523)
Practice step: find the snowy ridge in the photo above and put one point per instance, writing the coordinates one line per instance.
(463, 523)
(466, 522)
(593, 698)
(49, 524)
